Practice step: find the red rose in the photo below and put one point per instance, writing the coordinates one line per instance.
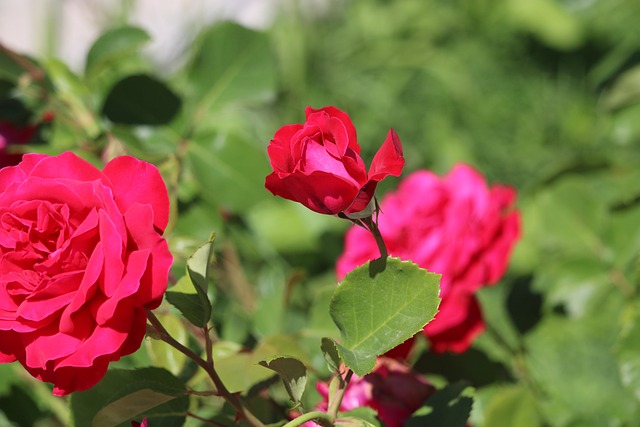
(318, 163)
(12, 134)
(81, 258)
(455, 226)
(392, 389)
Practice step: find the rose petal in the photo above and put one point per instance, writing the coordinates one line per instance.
(70, 379)
(86, 290)
(128, 285)
(136, 333)
(344, 119)
(319, 191)
(279, 149)
(316, 158)
(10, 345)
(154, 281)
(388, 160)
(57, 294)
(112, 246)
(460, 323)
(135, 181)
(64, 166)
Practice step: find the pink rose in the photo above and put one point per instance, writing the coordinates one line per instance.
(318, 163)
(137, 424)
(392, 389)
(455, 226)
(81, 259)
(12, 134)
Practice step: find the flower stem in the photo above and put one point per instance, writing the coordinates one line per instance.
(337, 399)
(320, 417)
(372, 226)
(223, 392)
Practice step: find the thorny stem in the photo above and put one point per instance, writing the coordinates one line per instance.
(233, 400)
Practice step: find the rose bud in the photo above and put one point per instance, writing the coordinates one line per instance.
(318, 163)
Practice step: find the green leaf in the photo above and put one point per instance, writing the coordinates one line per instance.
(198, 273)
(114, 45)
(124, 395)
(268, 315)
(222, 159)
(358, 417)
(232, 63)
(330, 353)
(547, 20)
(9, 69)
(448, 407)
(628, 349)
(568, 218)
(625, 91)
(291, 227)
(239, 372)
(7, 378)
(573, 364)
(190, 305)
(141, 100)
(293, 373)
(579, 285)
(21, 406)
(198, 266)
(380, 305)
(513, 406)
(194, 306)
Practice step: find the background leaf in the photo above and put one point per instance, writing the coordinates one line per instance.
(123, 395)
(141, 100)
(232, 63)
(511, 406)
(114, 45)
(293, 373)
(448, 407)
(230, 170)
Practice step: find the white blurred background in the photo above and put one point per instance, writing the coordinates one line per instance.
(66, 28)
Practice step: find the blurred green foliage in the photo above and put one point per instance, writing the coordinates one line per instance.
(540, 94)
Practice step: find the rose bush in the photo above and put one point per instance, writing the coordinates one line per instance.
(81, 258)
(455, 226)
(318, 163)
(392, 389)
(12, 134)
